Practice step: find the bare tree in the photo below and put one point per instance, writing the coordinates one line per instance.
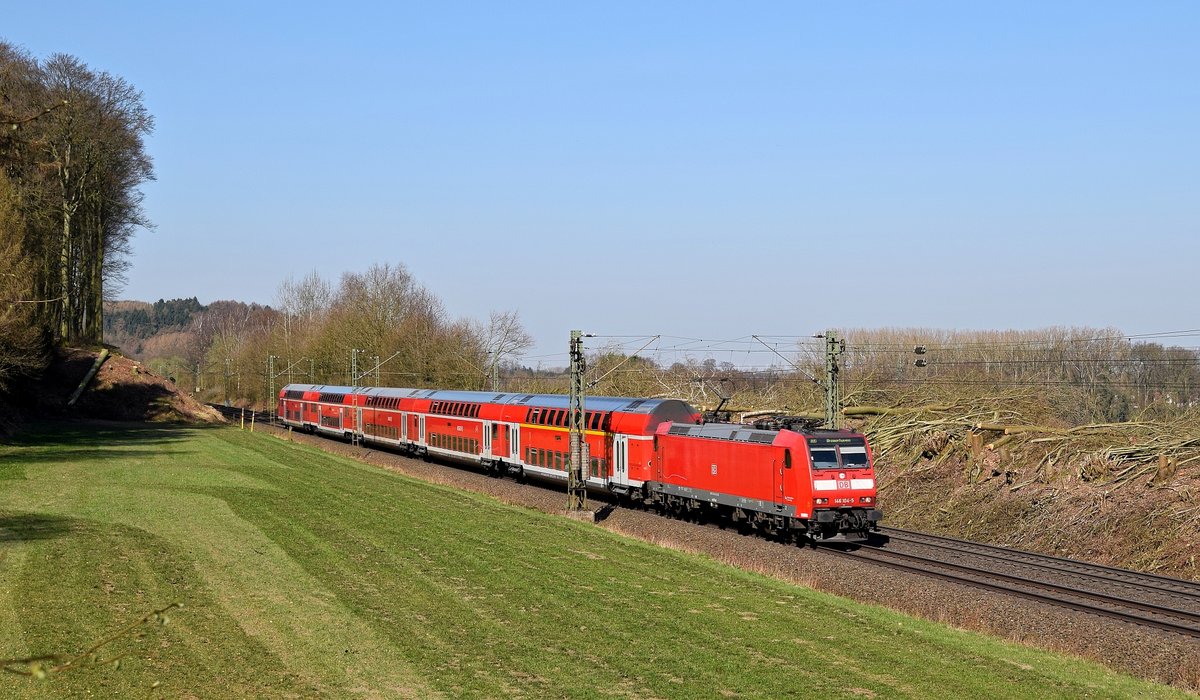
(504, 337)
(21, 350)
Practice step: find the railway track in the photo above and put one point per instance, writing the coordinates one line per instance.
(1144, 599)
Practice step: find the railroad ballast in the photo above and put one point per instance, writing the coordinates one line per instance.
(816, 484)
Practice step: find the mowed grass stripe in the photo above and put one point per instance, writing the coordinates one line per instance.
(322, 575)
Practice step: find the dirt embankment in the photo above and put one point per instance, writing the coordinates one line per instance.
(123, 390)
(1073, 504)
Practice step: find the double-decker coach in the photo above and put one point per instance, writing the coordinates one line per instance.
(656, 451)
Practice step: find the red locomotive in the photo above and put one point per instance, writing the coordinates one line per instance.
(819, 484)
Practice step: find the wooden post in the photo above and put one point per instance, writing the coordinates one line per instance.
(252, 421)
(243, 419)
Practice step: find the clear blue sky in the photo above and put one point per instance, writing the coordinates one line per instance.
(699, 169)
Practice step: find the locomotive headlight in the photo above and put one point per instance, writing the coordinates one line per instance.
(842, 475)
(821, 501)
(866, 499)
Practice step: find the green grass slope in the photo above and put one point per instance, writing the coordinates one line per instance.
(304, 574)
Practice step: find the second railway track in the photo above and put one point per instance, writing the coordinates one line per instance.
(1144, 599)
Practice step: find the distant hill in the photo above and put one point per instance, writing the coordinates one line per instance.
(142, 329)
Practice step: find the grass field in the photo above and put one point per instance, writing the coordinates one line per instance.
(304, 574)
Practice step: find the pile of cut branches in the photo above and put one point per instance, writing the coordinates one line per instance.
(1110, 453)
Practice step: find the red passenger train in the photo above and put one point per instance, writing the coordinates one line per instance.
(819, 484)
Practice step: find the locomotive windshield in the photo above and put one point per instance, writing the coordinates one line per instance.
(835, 454)
(824, 458)
(854, 456)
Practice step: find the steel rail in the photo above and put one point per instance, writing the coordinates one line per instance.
(1004, 583)
(1152, 582)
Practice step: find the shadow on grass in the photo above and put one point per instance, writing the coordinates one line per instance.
(31, 526)
(91, 436)
(92, 454)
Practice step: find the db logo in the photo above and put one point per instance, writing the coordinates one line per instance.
(843, 485)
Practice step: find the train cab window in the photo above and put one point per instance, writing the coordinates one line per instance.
(854, 457)
(787, 459)
(824, 458)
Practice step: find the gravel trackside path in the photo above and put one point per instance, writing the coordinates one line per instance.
(1143, 652)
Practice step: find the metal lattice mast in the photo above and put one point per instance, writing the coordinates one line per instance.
(271, 385)
(833, 384)
(577, 469)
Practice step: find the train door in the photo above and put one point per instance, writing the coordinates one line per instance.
(514, 441)
(421, 431)
(404, 427)
(358, 424)
(487, 439)
(777, 469)
(620, 461)
(500, 440)
(341, 417)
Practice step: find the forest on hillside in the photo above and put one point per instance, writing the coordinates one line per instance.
(72, 161)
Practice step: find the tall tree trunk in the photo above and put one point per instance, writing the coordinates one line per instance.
(95, 331)
(64, 277)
